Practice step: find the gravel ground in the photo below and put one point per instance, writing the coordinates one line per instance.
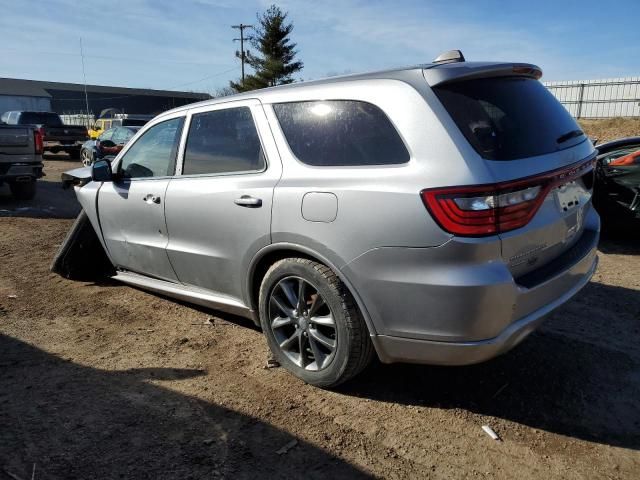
(611, 128)
(100, 380)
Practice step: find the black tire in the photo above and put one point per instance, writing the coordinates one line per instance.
(353, 348)
(23, 190)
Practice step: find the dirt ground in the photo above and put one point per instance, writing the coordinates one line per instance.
(611, 128)
(100, 380)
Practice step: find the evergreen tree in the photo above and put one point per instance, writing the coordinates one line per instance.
(276, 62)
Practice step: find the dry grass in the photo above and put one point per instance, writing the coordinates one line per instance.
(611, 128)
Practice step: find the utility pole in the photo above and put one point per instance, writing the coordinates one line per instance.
(242, 54)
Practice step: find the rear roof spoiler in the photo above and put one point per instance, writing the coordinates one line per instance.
(439, 74)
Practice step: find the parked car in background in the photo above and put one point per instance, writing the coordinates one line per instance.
(56, 136)
(435, 214)
(103, 124)
(20, 159)
(617, 190)
(107, 145)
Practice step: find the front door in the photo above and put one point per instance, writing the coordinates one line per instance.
(218, 208)
(131, 208)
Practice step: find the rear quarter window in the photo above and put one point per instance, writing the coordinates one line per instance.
(509, 118)
(340, 133)
(40, 118)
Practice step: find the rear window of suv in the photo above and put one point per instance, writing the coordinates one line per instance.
(509, 118)
(40, 118)
(340, 133)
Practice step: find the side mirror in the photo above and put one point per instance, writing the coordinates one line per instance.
(101, 171)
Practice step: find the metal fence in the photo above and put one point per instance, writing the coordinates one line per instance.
(74, 118)
(615, 97)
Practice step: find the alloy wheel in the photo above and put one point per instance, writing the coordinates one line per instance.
(302, 324)
(86, 158)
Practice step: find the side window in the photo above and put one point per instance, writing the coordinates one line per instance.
(154, 153)
(223, 141)
(127, 134)
(119, 136)
(340, 133)
(106, 135)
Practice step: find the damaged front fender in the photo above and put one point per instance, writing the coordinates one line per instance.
(81, 255)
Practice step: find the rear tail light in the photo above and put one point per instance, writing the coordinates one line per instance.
(37, 140)
(483, 210)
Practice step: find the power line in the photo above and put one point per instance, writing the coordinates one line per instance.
(204, 78)
(163, 61)
(144, 95)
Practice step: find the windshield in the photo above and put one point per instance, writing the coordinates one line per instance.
(40, 118)
(508, 118)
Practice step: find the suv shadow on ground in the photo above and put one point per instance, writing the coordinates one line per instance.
(121, 424)
(579, 376)
(621, 238)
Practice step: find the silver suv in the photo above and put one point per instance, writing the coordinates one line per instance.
(434, 214)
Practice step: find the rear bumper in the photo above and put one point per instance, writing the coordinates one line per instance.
(20, 171)
(397, 349)
(457, 304)
(60, 145)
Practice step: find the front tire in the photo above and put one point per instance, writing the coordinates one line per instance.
(23, 190)
(312, 324)
(86, 157)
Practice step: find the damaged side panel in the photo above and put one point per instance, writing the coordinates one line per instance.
(88, 198)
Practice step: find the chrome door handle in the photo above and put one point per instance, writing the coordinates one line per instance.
(150, 198)
(248, 201)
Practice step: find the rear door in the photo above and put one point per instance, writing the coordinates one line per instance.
(520, 131)
(218, 207)
(131, 208)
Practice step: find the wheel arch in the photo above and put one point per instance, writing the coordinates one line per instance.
(274, 252)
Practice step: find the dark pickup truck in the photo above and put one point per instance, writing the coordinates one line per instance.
(20, 159)
(56, 136)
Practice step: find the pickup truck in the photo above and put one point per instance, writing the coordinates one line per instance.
(56, 136)
(20, 159)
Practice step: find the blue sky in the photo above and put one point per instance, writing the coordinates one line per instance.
(187, 44)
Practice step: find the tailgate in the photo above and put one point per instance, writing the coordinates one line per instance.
(541, 161)
(558, 224)
(16, 141)
(69, 133)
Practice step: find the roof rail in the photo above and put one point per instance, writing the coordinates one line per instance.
(451, 56)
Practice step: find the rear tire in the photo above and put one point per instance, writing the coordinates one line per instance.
(23, 190)
(322, 345)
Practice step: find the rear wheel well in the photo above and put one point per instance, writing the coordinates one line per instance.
(264, 264)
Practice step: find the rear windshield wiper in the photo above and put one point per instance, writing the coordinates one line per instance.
(569, 136)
